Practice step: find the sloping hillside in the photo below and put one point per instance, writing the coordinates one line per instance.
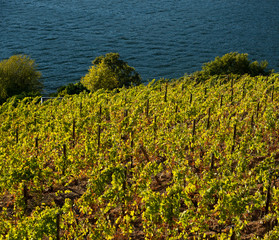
(175, 160)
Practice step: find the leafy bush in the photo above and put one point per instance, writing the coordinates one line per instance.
(110, 72)
(233, 63)
(71, 89)
(18, 74)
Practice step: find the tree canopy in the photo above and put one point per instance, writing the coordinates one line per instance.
(110, 72)
(235, 63)
(19, 74)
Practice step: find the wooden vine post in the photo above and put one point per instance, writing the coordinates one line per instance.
(80, 109)
(124, 186)
(132, 146)
(166, 93)
(35, 120)
(268, 194)
(176, 108)
(252, 122)
(125, 116)
(193, 134)
(191, 98)
(16, 135)
(100, 114)
(74, 132)
(25, 197)
(147, 108)
(208, 119)
(64, 159)
(99, 137)
(243, 91)
(257, 111)
(232, 92)
(234, 138)
(58, 226)
(221, 101)
(36, 143)
(212, 162)
(194, 129)
(155, 130)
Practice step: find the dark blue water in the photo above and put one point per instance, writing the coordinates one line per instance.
(160, 38)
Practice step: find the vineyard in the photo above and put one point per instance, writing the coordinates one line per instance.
(170, 160)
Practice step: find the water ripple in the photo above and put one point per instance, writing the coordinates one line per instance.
(159, 38)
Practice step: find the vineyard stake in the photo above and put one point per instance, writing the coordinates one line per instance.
(144, 153)
(243, 91)
(124, 190)
(234, 132)
(208, 119)
(234, 137)
(194, 128)
(268, 195)
(191, 98)
(100, 113)
(57, 226)
(99, 137)
(272, 92)
(35, 120)
(147, 108)
(126, 115)
(132, 145)
(124, 180)
(176, 108)
(131, 137)
(74, 129)
(252, 121)
(221, 101)
(64, 159)
(155, 130)
(25, 197)
(80, 108)
(212, 162)
(36, 142)
(16, 135)
(166, 93)
(258, 109)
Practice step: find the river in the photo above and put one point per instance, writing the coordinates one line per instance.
(159, 38)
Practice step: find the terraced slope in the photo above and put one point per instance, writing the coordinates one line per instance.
(164, 161)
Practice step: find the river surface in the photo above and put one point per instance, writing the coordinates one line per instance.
(159, 38)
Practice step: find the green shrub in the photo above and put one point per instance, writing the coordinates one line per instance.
(71, 89)
(235, 63)
(232, 63)
(18, 74)
(110, 72)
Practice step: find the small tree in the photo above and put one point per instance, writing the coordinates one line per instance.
(110, 72)
(235, 63)
(18, 74)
